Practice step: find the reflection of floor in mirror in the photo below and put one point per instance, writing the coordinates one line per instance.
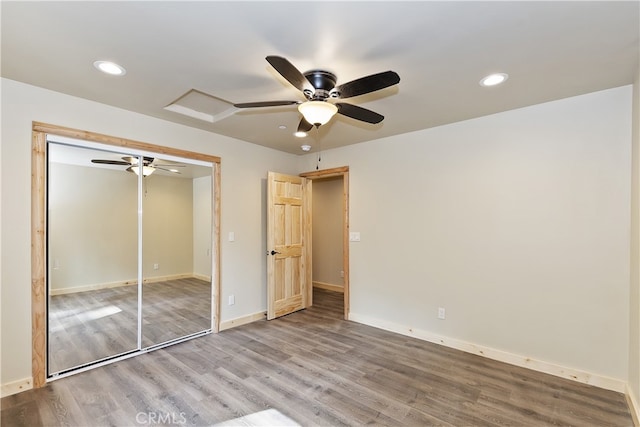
(88, 326)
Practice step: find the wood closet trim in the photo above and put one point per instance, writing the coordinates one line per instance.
(326, 173)
(120, 142)
(38, 256)
(38, 230)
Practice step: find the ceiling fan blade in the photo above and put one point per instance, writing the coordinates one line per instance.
(167, 170)
(290, 73)
(166, 162)
(304, 125)
(110, 162)
(156, 164)
(367, 84)
(264, 104)
(359, 113)
(133, 160)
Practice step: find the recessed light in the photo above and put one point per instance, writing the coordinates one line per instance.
(109, 67)
(282, 127)
(305, 147)
(494, 79)
(300, 134)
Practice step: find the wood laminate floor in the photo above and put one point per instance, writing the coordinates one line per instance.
(313, 368)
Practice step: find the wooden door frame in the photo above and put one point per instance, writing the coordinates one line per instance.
(342, 171)
(39, 235)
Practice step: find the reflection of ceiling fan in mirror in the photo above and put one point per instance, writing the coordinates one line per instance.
(149, 165)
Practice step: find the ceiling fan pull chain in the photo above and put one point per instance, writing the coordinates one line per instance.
(319, 147)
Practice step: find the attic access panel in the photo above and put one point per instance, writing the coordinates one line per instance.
(201, 106)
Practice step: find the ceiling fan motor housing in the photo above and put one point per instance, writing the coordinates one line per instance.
(324, 82)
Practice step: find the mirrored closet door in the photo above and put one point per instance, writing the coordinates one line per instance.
(93, 261)
(176, 261)
(129, 261)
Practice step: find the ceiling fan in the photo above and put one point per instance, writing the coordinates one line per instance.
(148, 165)
(319, 86)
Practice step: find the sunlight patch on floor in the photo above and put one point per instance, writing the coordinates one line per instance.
(269, 417)
(85, 316)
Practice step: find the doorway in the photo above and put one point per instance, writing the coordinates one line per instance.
(332, 272)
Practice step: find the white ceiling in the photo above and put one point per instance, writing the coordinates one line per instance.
(441, 50)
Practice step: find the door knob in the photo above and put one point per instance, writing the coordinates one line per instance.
(274, 252)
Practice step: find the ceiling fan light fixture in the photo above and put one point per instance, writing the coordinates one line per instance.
(146, 170)
(317, 112)
(494, 79)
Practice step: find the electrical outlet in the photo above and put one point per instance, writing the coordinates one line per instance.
(441, 313)
(342, 274)
(232, 299)
(156, 266)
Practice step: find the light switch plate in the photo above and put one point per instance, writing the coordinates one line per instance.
(232, 236)
(354, 236)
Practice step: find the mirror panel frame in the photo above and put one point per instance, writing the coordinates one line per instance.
(38, 227)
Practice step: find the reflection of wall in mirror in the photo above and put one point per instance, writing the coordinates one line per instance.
(167, 227)
(93, 228)
(202, 214)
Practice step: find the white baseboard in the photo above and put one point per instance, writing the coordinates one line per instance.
(499, 355)
(95, 287)
(328, 286)
(167, 278)
(16, 387)
(98, 286)
(634, 408)
(228, 324)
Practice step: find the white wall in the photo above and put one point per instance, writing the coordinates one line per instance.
(244, 170)
(516, 223)
(202, 218)
(634, 289)
(327, 231)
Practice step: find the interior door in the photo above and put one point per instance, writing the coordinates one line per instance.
(288, 244)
